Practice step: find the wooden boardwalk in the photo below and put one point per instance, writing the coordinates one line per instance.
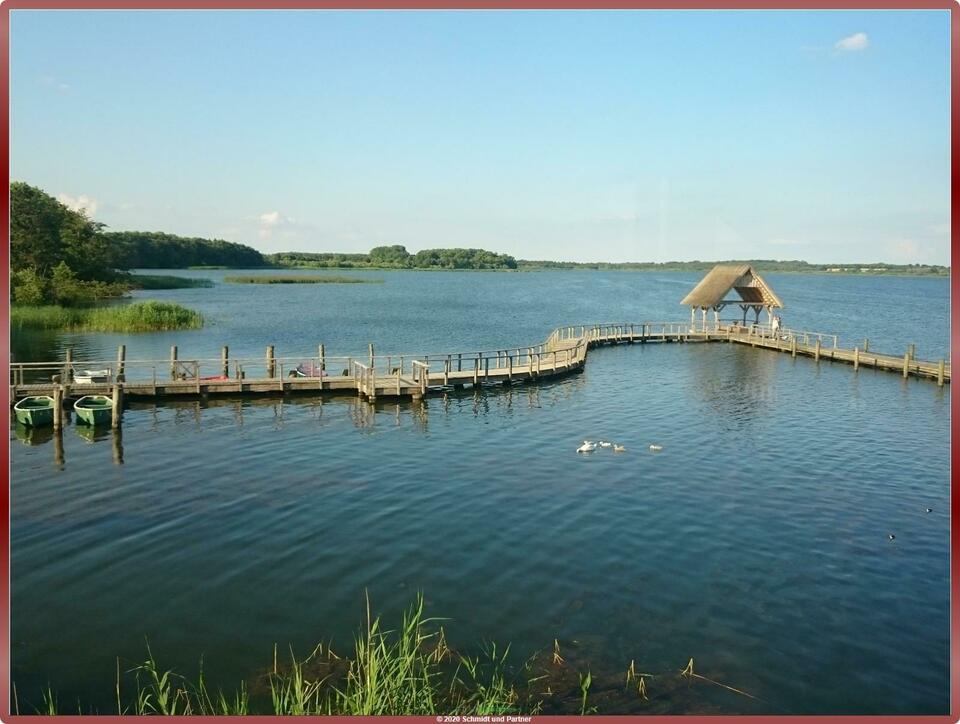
(398, 376)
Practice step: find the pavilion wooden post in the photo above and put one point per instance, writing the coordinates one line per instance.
(271, 362)
(225, 361)
(173, 362)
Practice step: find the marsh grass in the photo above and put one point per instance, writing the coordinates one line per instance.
(298, 280)
(164, 281)
(148, 316)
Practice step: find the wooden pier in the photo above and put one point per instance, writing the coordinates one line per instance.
(413, 376)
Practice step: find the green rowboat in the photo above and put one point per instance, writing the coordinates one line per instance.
(94, 409)
(35, 411)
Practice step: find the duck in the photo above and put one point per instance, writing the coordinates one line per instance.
(605, 444)
(587, 447)
(929, 510)
(892, 536)
(655, 447)
(619, 448)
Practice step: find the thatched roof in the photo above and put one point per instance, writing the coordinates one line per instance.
(715, 286)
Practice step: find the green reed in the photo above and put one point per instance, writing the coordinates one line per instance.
(280, 279)
(148, 316)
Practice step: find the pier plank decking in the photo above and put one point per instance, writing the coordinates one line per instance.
(399, 376)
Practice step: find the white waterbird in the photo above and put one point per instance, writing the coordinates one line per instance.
(655, 447)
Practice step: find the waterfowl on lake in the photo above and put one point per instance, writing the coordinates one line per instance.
(656, 447)
(35, 411)
(618, 448)
(94, 409)
(605, 444)
(892, 536)
(929, 510)
(587, 447)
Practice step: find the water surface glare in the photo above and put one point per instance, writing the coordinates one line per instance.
(755, 541)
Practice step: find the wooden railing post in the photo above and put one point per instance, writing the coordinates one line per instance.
(225, 361)
(906, 363)
(173, 362)
(57, 406)
(816, 351)
(866, 345)
(793, 347)
(116, 407)
(121, 359)
(856, 358)
(68, 366)
(271, 364)
(940, 372)
(322, 357)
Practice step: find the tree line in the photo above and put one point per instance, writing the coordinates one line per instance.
(397, 257)
(60, 256)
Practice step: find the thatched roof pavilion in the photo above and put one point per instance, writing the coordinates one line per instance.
(713, 290)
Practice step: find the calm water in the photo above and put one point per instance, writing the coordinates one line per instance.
(756, 541)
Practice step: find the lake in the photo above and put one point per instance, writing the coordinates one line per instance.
(756, 541)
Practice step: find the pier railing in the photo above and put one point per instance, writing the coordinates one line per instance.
(564, 349)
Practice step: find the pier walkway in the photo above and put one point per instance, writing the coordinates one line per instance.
(397, 376)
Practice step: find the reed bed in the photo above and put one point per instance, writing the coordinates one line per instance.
(139, 317)
(167, 281)
(281, 279)
(409, 670)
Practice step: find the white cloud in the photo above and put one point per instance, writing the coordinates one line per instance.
(857, 41)
(270, 220)
(82, 202)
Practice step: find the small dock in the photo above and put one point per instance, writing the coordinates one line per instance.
(376, 377)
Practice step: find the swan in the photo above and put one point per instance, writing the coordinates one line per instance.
(587, 447)
(618, 448)
(655, 447)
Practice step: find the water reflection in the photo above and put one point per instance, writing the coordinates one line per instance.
(33, 435)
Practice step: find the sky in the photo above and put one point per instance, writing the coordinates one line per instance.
(567, 135)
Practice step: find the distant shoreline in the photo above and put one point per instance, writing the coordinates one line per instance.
(937, 272)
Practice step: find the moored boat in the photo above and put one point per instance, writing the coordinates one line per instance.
(35, 411)
(89, 377)
(93, 409)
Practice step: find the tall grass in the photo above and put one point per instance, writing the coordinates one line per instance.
(410, 670)
(140, 317)
(299, 280)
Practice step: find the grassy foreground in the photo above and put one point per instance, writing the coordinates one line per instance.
(407, 671)
(140, 317)
(300, 280)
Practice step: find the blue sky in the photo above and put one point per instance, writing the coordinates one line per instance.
(577, 135)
